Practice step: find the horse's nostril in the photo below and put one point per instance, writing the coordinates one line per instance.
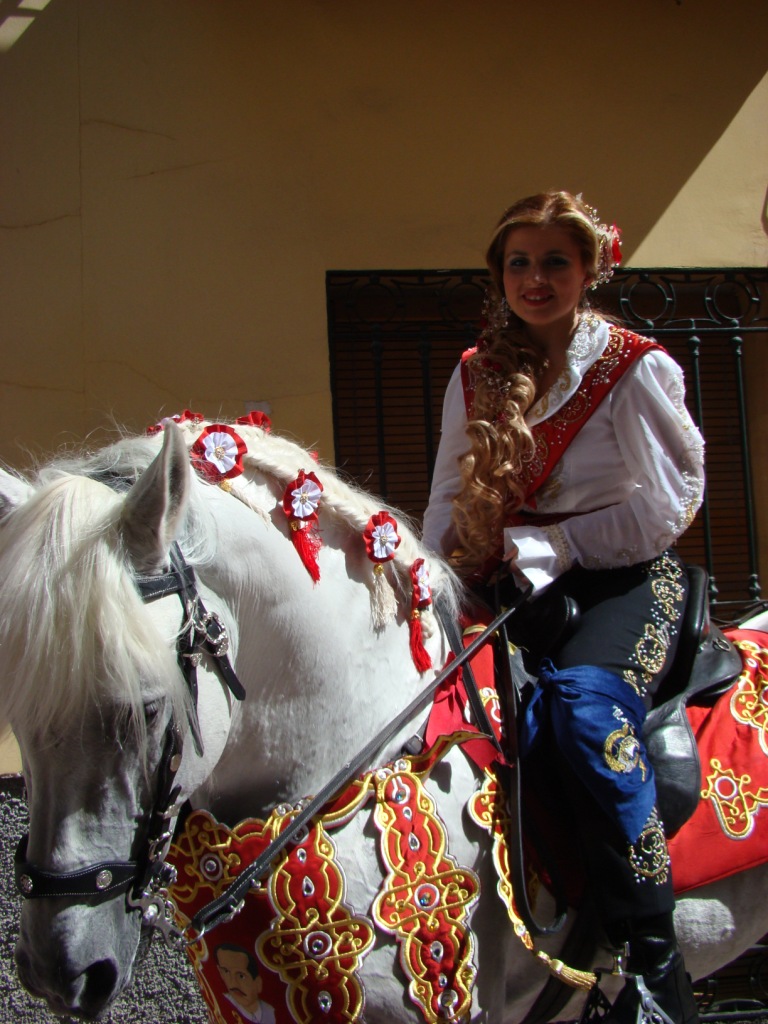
(99, 988)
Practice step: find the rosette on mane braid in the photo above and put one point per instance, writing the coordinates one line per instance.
(276, 456)
(381, 541)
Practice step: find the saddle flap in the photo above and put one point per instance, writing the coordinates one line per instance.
(674, 755)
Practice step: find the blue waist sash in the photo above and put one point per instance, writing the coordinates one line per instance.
(596, 720)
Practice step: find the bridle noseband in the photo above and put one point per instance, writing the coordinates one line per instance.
(202, 633)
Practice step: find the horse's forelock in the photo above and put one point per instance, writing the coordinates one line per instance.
(73, 629)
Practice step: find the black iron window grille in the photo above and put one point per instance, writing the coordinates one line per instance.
(395, 337)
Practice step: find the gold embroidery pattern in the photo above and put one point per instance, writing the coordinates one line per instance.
(315, 943)
(488, 809)
(310, 939)
(651, 649)
(560, 544)
(649, 856)
(749, 702)
(425, 898)
(621, 752)
(668, 600)
(735, 805)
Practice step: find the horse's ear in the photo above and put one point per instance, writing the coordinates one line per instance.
(155, 505)
(13, 492)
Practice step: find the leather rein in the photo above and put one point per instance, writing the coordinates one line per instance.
(146, 879)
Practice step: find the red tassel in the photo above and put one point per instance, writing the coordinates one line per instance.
(419, 653)
(307, 543)
(300, 503)
(421, 599)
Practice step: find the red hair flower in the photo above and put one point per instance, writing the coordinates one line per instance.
(218, 453)
(381, 541)
(300, 503)
(615, 236)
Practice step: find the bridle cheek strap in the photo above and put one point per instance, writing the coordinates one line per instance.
(202, 634)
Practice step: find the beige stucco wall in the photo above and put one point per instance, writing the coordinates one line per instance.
(176, 176)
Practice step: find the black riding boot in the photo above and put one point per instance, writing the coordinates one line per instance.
(657, 989)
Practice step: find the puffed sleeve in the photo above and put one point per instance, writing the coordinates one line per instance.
(446, 479)
(663, 457)
(664, 454)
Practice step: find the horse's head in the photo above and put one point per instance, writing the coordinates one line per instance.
(90, 684)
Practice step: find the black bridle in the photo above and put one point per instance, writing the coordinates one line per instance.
(145, 878)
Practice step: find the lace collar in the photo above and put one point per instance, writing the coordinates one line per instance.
(587, 344)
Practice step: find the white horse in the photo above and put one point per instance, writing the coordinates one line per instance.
(89, 682)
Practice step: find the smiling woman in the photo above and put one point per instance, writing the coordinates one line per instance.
(544, 279)
(569, 463)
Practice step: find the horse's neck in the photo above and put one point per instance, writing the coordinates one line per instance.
(321, 682)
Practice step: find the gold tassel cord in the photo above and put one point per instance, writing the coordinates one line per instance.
(584, 980)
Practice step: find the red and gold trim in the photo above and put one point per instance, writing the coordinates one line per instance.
(426, 897)
(315, 944)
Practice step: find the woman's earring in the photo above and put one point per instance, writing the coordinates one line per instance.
(496, 313)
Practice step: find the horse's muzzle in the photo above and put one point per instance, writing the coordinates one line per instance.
(83, 994)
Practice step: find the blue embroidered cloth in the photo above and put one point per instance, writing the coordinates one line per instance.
(596, 720)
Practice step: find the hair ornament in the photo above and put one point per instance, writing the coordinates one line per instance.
(381, 541)
(609, 245)
(421, 602)
(300, 504)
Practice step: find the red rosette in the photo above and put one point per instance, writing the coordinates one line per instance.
(218, 453)
(301, 501)
(381, 537)
(255, 419)
(381, 541)
(179, 417)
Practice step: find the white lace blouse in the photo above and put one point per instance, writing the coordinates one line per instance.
(631, 480)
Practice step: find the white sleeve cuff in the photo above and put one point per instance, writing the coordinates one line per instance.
(543, 553)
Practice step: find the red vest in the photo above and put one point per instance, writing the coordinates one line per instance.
(554, 434)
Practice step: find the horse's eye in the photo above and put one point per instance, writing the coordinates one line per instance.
(152, 709)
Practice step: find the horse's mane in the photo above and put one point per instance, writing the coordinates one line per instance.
(72, 623)
(66, 575)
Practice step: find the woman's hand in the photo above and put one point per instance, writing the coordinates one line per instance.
(510, 555)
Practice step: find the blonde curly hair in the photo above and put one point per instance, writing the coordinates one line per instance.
(505, 371)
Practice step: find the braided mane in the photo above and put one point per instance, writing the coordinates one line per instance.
(67, 579)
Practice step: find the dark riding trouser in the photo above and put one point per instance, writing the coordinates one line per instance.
(629, 626)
